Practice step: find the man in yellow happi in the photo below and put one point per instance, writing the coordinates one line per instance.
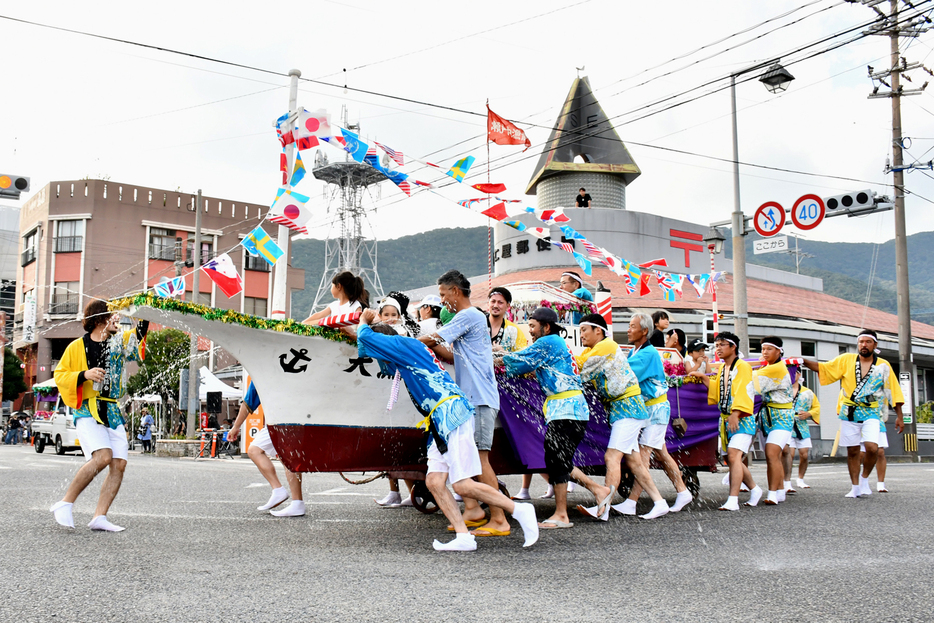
(91, 380)
(867, 385)
(731, 390)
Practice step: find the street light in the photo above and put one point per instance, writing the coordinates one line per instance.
(714, 241)
(776, 79)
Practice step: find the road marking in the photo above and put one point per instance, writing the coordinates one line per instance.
(8, 467)
(331, 491)
(257, 484)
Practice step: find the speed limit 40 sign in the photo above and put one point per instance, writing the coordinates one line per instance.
(808, 212)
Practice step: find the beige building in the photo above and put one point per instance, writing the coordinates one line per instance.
(86, 239)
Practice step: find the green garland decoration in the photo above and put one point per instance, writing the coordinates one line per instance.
(230, 316)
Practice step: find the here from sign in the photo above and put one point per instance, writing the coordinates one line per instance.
(770, 245)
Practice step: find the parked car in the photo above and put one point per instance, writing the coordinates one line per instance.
(56, 429)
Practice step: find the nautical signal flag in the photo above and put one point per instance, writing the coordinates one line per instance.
(221, 270)
(258, 242)
(504, 132)
(298, 172)
(460, 168)
(289, 209)
(169, 288)
(519, 225)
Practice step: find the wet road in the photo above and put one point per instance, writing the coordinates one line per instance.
(196, 549)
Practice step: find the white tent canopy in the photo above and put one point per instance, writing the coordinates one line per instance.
(210, 383)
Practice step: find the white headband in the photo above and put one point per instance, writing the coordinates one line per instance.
(726, 339)
(573, 276)
(390, 301)
(780, 349)
(874, 339)
(594, 324)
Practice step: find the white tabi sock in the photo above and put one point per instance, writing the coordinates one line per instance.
(732, 504)
(780, 495)
(660, 508)
(522, 495)
(626, 507)
(392, 499)
(864, 488)
(295, 509)
(548, 494)
(787, 485)
(880, 487)
(278, 496)
(754, 496)
(854, 492)
(801, 484)
(726, 479)
(525, 515)
(684, 498)
(463, 542)
(772, 497)
(62, 513)
(100, 523)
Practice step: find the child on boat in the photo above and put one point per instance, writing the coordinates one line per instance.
(350, 295)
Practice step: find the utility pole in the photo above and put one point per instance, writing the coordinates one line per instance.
(193, 385)
(892, 26)
(738, 225)
(280, 286)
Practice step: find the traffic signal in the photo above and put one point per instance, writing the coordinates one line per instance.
(13, 185)
(850, 202)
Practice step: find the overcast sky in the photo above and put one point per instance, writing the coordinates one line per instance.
(77, 106)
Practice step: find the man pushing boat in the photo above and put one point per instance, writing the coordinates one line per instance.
(452, 451)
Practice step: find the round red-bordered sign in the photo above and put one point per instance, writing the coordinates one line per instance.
(808, 212)
(769, 219)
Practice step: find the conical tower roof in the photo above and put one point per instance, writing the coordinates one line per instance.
(582, 129)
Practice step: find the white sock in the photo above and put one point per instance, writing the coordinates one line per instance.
(801, 484)
(787, 485)
(100, 523)
(772, 497)
(626, 507)
(407, 501)
(278, 496)
(62, 513)
(548, 494)
(660, 508)
(864, 488)
(523, 494)
(780, 495)
(743, 487)
(854, 492)
(731, 504)
(571, 487)
(525, 515)
(754, 496)
(880, 486)
(684, 498)
(295, 509)
(726, 479)
(463, 542)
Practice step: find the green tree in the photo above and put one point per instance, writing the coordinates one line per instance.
(14, 382)
(167, 352)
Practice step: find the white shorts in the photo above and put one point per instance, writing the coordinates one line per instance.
(94, 436)
(800, 444)
(462, 460)
(624, 434)
(263, 441)
(653, 436)
(883, 442)
(856, 433)
(779, 437)
(740, 441)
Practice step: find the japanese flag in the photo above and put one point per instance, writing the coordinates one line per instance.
(312, 124)
(289, 209)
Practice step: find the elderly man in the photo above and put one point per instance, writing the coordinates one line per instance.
(732, 390)
(574, 283)
(467, 335)
(452, 453)
(566, 410)
(647, 364)
(91, 381)
(867, 385)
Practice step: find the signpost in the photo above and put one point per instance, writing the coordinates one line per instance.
(904, 380)
(769, 219)
(770, 245)
(808, 212)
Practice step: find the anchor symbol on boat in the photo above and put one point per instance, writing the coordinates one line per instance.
(297, 356)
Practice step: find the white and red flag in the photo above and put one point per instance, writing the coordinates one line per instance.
(503, 132)
(221, 270)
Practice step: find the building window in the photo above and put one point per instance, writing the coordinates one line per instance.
(161, 244)
(522, 246)
(507, 250)
(69, 237)
(257, 263)
(29, 248)
(254, 306)
(543, 245)
(842, 349)
(755, 345)
(811, 380)
(809, 349)
(207, 249)
(65, 298)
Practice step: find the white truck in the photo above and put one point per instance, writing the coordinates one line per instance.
(58, 430)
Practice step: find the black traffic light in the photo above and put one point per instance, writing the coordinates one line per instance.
(856, 200)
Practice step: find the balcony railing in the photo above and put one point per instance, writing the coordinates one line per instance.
(64, 304)
(257, 263)
(162, 252)
(68, 244)
(29, 255)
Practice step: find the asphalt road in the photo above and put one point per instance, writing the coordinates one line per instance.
(196, 549)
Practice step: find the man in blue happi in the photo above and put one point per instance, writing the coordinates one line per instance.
(452, 452)
(566, 410)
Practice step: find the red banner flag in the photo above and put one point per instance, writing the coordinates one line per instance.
(490, 188)
(503, 132)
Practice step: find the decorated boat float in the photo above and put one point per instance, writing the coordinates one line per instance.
(328, 410)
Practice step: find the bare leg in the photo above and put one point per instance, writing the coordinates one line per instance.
(641, 473)
(881, 464)
(110, 487)
(100, 459)
(852, 463)
(599, 491)
(645, 453)
(295, 485)
(394, 485)
(484, 493)
(803, 458)
(671, 469)
(872, 452)
(739, 473)
(788, 456)
(436, 482)
(561, 503)
(526, 481)
(264, 465)
(472, 509)
(774, 469)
